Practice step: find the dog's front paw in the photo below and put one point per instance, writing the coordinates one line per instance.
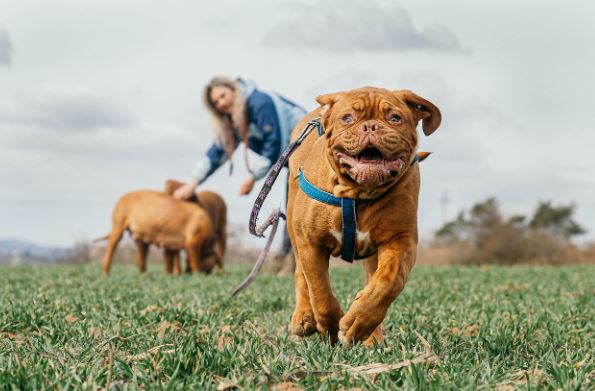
(302, 323)
(358, 325)
(377, 338)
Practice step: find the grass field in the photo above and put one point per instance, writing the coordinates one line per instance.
(64, 327)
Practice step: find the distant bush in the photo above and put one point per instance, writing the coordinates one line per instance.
(484, 235)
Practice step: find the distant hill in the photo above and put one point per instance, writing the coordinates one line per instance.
(29, 249)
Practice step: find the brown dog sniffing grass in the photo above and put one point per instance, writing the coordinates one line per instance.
(367, 154)
(154, 217)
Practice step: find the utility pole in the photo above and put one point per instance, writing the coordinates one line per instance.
(444, 201)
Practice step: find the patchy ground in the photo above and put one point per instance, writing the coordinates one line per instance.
(453, 327)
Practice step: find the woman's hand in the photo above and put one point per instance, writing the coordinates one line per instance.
(247, 186)
(186, 191)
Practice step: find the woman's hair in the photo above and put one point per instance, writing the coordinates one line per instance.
(227, 126)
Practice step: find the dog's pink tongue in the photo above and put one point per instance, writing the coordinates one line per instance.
(369, 174)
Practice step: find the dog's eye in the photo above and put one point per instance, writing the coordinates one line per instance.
(347, 119)
(395, 119)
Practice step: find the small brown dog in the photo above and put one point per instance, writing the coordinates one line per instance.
(154, 217)
(215, 207)
(367, 154)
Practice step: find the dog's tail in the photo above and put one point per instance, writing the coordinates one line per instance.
(423, 155)
(99, 239)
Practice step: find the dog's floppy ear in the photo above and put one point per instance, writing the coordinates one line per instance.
(423, 110)
(327, 102)
(172, 185)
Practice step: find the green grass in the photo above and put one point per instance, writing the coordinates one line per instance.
(65, 327)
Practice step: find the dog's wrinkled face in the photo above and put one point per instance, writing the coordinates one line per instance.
(372, 133)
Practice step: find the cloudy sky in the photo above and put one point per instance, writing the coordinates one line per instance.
(100, 98)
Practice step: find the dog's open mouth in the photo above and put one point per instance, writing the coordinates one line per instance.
(369, 167)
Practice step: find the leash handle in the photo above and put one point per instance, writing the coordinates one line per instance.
(272, 177)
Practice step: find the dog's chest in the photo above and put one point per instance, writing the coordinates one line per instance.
(364, 244)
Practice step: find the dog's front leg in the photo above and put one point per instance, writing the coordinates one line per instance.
(369, 308)
(314, 264)
(303, 322)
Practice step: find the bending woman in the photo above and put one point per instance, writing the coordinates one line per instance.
(241, 112)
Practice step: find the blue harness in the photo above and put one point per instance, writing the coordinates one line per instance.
(349, 219)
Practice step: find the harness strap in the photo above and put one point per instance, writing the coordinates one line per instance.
(319, 128)
(348, 215)
(349, 229)
(316, 193)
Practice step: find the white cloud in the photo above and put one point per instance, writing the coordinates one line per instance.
(359, 26)
(6, 48)
(65, 111)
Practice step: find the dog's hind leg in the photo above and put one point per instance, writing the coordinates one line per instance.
(169, 259)
(176, 262)
(113, 240)
(141, 255)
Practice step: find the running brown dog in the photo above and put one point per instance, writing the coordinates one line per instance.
(154, 217)
(366, 153)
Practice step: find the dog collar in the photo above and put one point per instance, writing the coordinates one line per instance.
(348, 214)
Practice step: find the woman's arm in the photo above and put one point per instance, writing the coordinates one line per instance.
(207, 165)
